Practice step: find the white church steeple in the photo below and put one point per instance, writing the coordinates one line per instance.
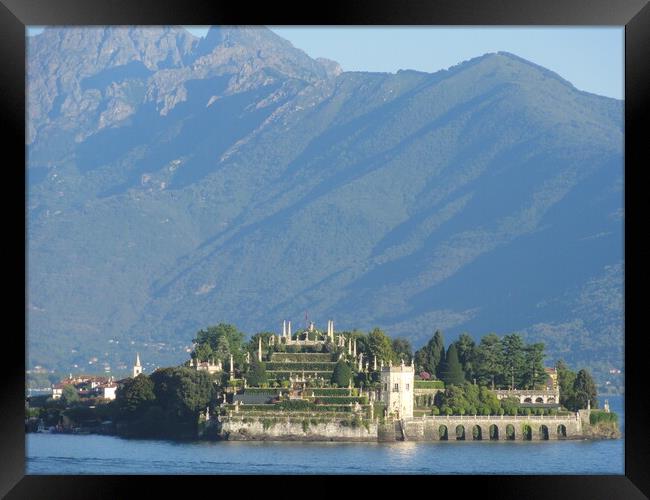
(137, 368)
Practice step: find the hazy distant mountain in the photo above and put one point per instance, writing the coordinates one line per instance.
(177, 182)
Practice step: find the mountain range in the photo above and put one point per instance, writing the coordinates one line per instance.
(176, 182)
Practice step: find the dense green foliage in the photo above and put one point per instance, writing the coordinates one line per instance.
(340, 391)
(429, 384)
(596, 417)
(429, 357)
(256, 374)
(452, 372)
(69, 395)
(298, 366)
(341, 400)
(295, 404)
(219, 342)
(342, 375)
(135, 395)
(402, 350)
(182, 391)
(379, 344)
(466, 349)
(468, 399)
(576, 389)
(584, 390)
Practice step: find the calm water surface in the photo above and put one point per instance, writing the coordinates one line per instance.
(75, 454)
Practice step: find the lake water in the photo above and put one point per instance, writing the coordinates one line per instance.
(93, 454)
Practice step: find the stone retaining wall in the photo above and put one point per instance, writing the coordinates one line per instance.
(235, 430)
(428, 428)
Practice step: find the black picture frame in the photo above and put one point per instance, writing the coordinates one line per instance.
(15, 15)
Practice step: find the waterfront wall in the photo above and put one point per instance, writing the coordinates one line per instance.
(428, 428)
(259, 430)
(431, 428)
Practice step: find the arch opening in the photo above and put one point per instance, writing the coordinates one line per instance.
(477, 433)
(443, 433)
(561, 431)
(510, 432)
(543, 432)
(460, 433)
(494, 432)
(526, 432)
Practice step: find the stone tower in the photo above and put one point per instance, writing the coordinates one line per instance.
(137, 368)
(397, 389)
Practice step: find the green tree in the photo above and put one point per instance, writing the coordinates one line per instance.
(203, 352)
(489, 399)
(429, 357)
(533, 369)
(489, 364)
(135, 395)
(513, 360)
(472, 395)
(256, 375)
(454, 397)
(403, 350)
(452, 371)
(182, 392)
(510, 405)
(342, 374)
(566, 379)
(253, 343)
(69, 395)
(223, 339)
(466, 348)
(380, 345)
(437, 352)
(584, 389)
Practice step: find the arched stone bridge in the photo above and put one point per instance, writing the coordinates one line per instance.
(469, 427)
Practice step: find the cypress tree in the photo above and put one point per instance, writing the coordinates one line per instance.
(256, 375)
(342, 374)
(584, 388)
(437, 353)
(452, 370)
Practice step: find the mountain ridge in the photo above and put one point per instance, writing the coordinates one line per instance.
(271, 185)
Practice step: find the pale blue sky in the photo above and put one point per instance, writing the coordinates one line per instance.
(591, 58)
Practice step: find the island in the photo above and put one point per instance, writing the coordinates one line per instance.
(322, 385)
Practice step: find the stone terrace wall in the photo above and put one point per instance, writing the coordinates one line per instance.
(236, 430)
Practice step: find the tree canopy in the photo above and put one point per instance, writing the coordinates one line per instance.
(182, 391)
(452, 371)
(256, 375)
(135, 395)
(403, 350)
(466, 348)
(429, 357)
(342, 374)
(219, 342)
(380, 345)
(69, 394)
